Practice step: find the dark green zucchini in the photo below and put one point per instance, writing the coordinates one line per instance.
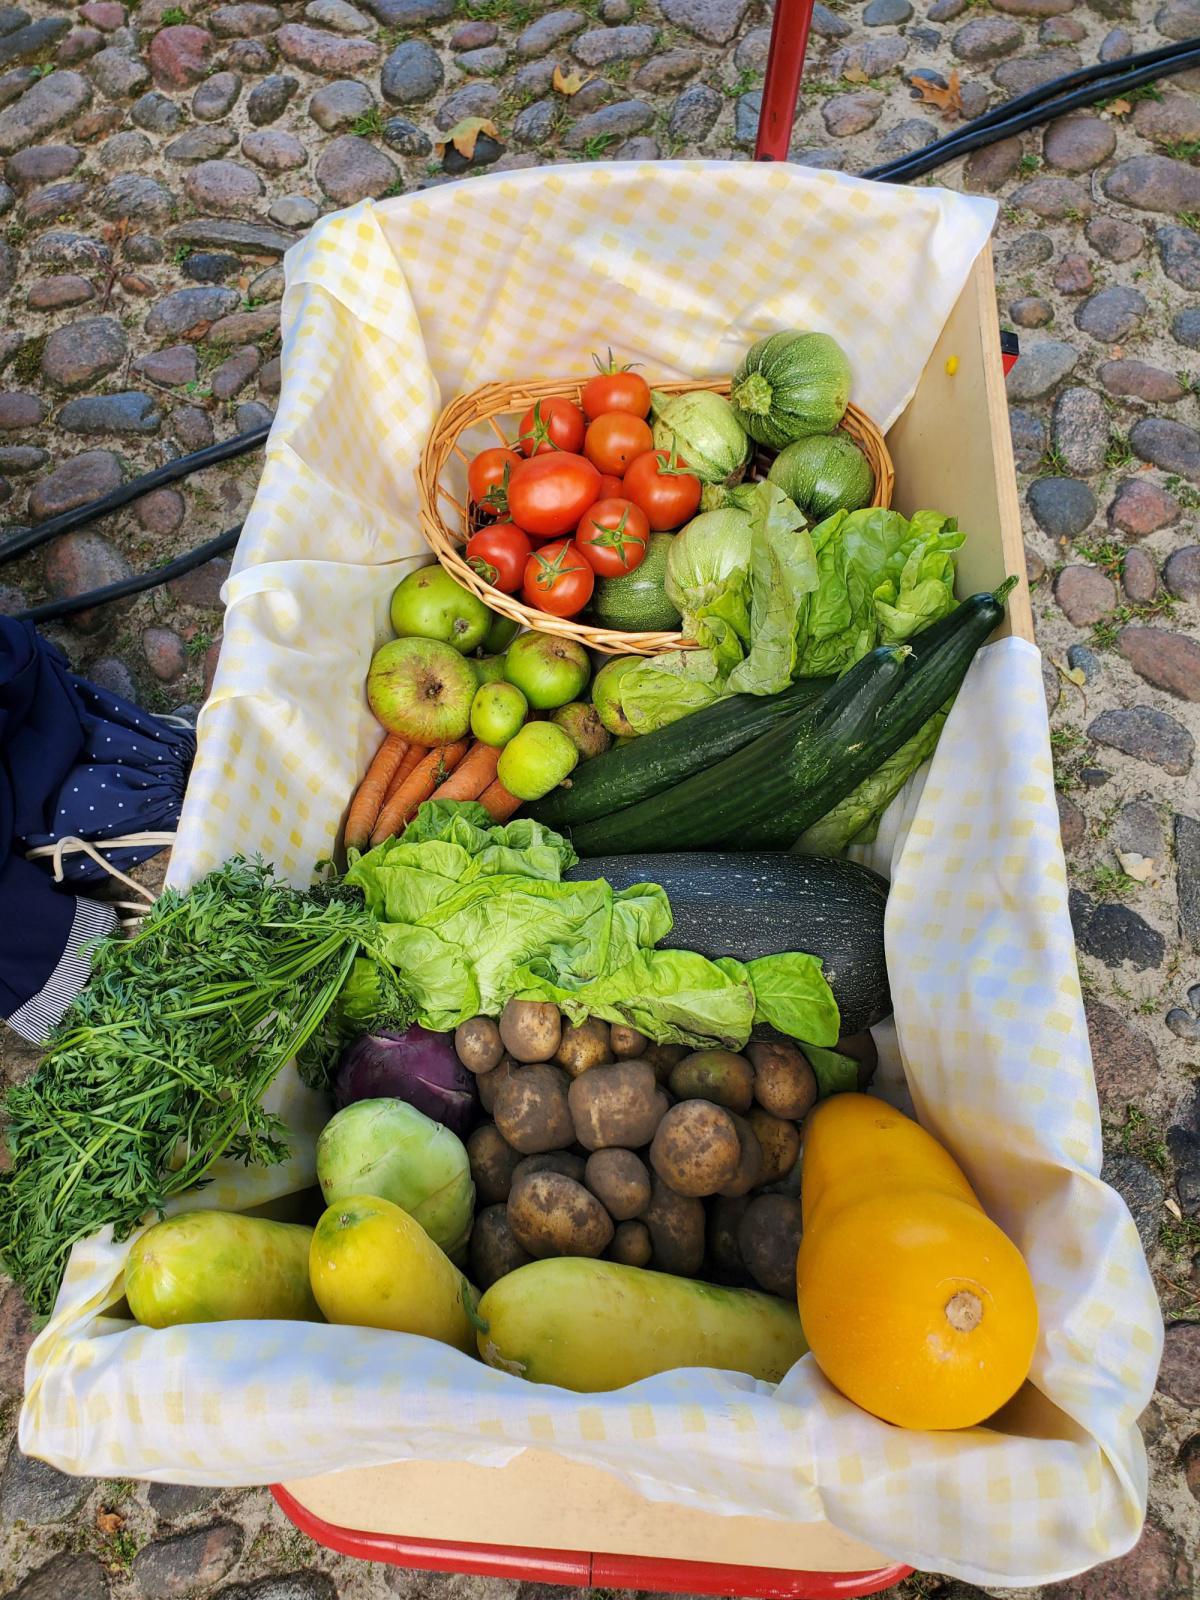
(712, 805)
(766, 794)
(657, 760)
(761, 903)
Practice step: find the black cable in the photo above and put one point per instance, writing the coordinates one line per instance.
(1037, 108)
(171, 472)
(136, 584)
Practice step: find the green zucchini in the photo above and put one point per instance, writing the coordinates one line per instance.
(712, 805)
(655, 761)
(760, 903)
(764, 796)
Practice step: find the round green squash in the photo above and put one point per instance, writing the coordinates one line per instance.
(824, 473)
(790, 385)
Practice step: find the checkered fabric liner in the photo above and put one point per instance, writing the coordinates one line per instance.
(390, 310)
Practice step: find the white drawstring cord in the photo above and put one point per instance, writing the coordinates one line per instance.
(70, 844)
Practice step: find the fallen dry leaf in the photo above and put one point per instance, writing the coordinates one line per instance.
(568, 82)
(1119, 108)
(948, 100)
(109, 1522)
(464, 136)
(856, 75)
(1140, 868)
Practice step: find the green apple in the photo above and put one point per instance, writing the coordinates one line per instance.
(429, 604)
(421, 689)
(536, 760)
(488, 669)
(548, 671)
(501, 632)
(581, 724)
(606, 694)
(497, 711)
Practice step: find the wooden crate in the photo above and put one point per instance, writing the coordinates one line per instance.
(548, 1518)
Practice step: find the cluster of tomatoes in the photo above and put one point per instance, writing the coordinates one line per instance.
(579, 496)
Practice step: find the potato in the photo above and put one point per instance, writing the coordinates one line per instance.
(530, 1029)
(620, 1182)
(564, 1161)
(723, 1257)
(784, 1083)
(554, 1216)
(493, 1163)
(749, 1172)
(488, 1083)
(583, 1046)
(631, 1245)
(779, 1142)
(717, 1075)
(769, 1237)
(676, 1224)
(664, 1058)
(531, 1109)
(625, 1042)
(620, 1105)
(696, 1148)
(478, 1044)
(862, 1047)
(494, 1251)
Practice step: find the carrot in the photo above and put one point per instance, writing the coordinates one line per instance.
(497, 802)
(414, 754)
(418, 786)
(372, 791)
(472, 776)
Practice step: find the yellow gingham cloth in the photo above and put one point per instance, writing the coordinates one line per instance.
(677, 265)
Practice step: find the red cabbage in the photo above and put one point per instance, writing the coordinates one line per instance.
(417, 1066)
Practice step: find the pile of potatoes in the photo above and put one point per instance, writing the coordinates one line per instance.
(602, 1143)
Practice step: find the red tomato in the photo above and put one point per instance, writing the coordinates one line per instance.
(612, 537)
(664, 489)
(498, 554)
(490, 471)
(615, 389)
(610, 486)
(615, 439)
(548, 494)
(558, 580)
(553, 424)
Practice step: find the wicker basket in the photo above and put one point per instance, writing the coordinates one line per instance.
(446, 520)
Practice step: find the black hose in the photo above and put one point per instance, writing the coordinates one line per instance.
(1070, 92)
(136, 584)
(171, 472)
(1035, 107)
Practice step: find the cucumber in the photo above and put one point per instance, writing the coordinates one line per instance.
(764, 796)
(656, 760)
(593, 1326)
(762, 903)
(713, 805)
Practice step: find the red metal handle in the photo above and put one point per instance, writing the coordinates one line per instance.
(781, 86)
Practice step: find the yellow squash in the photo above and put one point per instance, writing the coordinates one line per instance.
(372, 1266)
(594, 1325)
(915, 1304)
(214, 1266)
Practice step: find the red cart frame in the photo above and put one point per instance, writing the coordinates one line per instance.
(578, 1568)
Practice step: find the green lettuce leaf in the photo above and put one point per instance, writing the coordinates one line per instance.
(881, 578)
(835, 1074)
(792, 994)
(664, 688)
(783, 569)
(673, 996)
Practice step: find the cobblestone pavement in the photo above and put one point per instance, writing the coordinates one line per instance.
(157, 161)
